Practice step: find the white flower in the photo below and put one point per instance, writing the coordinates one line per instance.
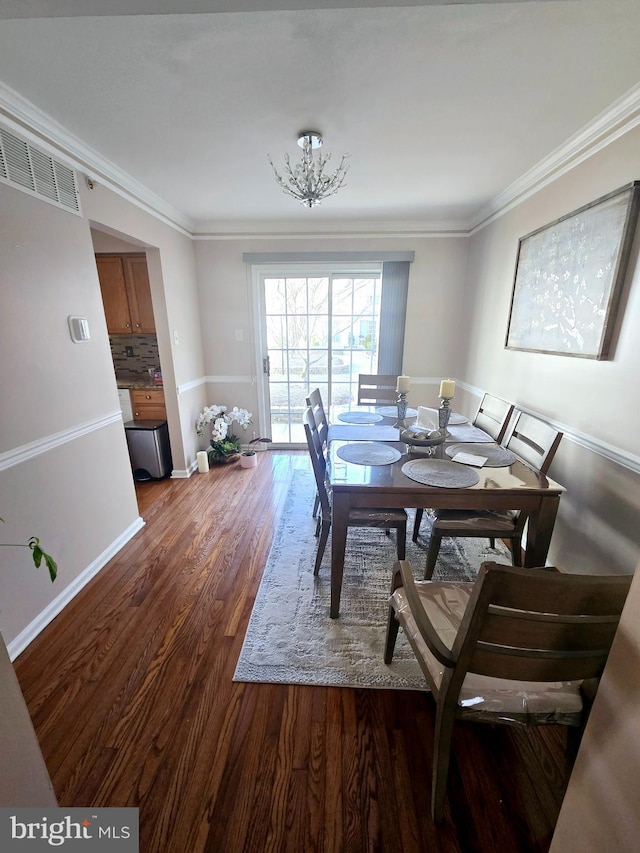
(221, 420)
(219, 429)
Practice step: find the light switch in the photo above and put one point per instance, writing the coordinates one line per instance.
(79, 329)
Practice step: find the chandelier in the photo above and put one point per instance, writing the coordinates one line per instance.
(307, 181)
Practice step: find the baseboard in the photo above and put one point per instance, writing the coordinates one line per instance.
(20, 643)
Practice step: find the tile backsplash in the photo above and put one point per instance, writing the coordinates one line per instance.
(133, 355)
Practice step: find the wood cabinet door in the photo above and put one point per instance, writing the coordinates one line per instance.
(114, 294)
(139, 293)
(148, 404)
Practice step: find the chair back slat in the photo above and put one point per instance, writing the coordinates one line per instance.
(493, 416)
(314, 401)
(318, 461)
(534, 441)
(539, 625)
(376, 389)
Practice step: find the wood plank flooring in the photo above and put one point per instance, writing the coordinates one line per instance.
(131, 693)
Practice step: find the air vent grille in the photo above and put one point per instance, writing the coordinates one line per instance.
(26, 167)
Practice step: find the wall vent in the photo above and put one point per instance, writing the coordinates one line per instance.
(24, 166)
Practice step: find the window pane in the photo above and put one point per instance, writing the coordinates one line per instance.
(274, 295)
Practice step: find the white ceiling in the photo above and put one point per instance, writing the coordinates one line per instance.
(442, 106)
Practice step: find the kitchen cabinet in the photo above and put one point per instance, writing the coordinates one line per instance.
(148, 404)
(126, 294)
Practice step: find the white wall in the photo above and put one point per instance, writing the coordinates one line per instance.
(65, 474)
(436, 293)
(78, 495)
(597, 528)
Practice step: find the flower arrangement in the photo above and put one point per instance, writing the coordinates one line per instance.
(224, 445)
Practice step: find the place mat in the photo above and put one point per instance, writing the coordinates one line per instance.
(360, 417)
(497, 457)
(436, 472)
(392, 412)
(454, 418)
(368, 453)
(468, 432)
(364, 432)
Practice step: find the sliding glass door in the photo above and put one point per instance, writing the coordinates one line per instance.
(320, 329)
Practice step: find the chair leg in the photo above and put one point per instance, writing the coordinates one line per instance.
(432, 555)
(392, 634)
(401, 541)
(322, 542)
(316, 504)
(416, 524)
(441, 759)
(492, 542)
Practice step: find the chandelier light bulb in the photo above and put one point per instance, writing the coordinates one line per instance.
(306, 181)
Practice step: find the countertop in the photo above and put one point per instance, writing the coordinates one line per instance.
(139, 384)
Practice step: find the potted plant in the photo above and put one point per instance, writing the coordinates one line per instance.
(248, 457)
(224, 446)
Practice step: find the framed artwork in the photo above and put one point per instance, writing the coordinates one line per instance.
(569, 278)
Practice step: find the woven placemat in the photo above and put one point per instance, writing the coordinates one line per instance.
(360, 417)
(454, 417)
(438, 472)
(497, 457)
(392, 412)
(369, 453)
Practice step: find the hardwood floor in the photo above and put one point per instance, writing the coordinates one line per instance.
(131, 695)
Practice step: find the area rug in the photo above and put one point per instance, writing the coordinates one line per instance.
(291, 639)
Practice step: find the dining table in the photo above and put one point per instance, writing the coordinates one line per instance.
(384, 484)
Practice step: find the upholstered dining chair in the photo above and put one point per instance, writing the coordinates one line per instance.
(512, 648)
(358, 517)
(377, 389)
(535, 443)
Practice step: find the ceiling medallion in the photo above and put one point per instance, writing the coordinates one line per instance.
(306, 181)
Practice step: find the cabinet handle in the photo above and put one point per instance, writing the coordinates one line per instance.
(127, 325)
(147, 396)
(137, 414)
(137, 325)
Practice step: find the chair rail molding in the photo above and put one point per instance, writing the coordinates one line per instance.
(628, 460)
(48, 442)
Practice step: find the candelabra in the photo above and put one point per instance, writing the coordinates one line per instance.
(444, 413)
(402, 409)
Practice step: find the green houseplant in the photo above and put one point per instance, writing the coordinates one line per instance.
(248, 456)
(37, 554)
(224, 446)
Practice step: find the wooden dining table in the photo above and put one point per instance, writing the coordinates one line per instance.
(515, 487)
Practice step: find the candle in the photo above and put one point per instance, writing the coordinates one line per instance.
(203, 461)
(447, 388)
(404, 383)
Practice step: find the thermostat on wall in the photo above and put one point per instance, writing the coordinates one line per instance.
(79, 329)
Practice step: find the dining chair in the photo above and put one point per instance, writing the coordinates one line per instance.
(314, 400)
(512, 648)
(493, 416)
(535, 443)
(375, 389)
(358, 517)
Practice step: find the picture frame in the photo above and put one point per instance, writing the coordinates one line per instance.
(569, 278)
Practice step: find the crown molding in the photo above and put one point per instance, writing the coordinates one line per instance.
(41, 129)
(621, 117)
(25, 118)
(341, 229)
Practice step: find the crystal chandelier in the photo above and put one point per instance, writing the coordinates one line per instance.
(307, 181)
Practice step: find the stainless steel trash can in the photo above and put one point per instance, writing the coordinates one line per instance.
(149, 450)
